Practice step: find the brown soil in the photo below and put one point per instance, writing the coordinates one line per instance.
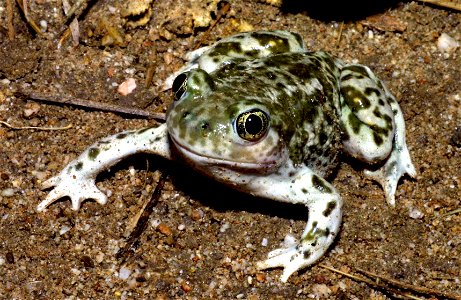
(210, 236)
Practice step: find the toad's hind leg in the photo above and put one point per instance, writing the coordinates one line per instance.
(374, 128)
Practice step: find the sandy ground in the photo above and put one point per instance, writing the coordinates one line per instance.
(210, 237)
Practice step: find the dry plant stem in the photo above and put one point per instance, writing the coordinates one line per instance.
(30, 21)
(10, 17)
(339, 34)
(453, 212)
(96, 105)
(25, 8)
(34, 127)
(221, 13)
(76, 10)
(456, 4)
(392, 285)
(410, 287)
(397, 294)
(63, 37)
(142, 221)
(74, 28)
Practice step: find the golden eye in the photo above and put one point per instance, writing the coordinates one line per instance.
(179, 86)
(252, 125)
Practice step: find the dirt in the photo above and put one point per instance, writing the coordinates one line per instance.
(203, 239)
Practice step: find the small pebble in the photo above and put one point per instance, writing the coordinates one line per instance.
(186, 287)
(9, 257)
(64, 229)
(415, 213)
(163, 228)
(264, 242)
(127, 87)
(30, 110)
(124, 273)
(87, 261)
(224, 227)
(8, 192)
(446, 43)
(43, 25)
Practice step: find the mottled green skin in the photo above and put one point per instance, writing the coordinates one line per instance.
(300, 92)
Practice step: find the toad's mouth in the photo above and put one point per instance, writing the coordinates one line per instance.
(205, 161)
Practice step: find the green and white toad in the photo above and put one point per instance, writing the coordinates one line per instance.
(260, 113)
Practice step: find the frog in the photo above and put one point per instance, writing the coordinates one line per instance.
(259, 112)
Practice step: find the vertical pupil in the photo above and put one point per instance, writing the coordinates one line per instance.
(253, 124)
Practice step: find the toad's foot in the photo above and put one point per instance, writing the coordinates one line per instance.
(78, 189)
(77, 179)
(291, 259)
(388, 175)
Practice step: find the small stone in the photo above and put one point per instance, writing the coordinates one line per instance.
(186, 287)
(87, 262)
(31, 109)
(260, 277)
(415, 213)
(124, 273)
(9, 257)
(8, 192)
(163, 228)
(127, 87)
(64, 229)
(196, 214)
(446, 43)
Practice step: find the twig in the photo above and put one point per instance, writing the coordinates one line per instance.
(151, 67)
(10, 17)
(94, 105)
(29, 20)
(456, 5)
(369, 282)
(76, 10)
(74, 28)
(141, 225)
(420, 290)
(224, 9)
(340, 34)
(394, 286)
(34, 127)
(453, 212)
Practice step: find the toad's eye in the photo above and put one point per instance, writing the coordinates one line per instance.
(179, 86)
(252, 125)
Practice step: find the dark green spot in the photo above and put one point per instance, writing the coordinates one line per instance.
(355, 99)
(377, 139)
(304, 190)
(141, 131)
(330, 207)
(79, 166)
(93, 153)
(354, 123)
(370, 90)
(320, 184)
(121, 136)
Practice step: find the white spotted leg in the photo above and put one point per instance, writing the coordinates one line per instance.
(77, 179)
(300, 186)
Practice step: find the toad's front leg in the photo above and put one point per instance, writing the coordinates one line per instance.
(325, 212)
(77, 179)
